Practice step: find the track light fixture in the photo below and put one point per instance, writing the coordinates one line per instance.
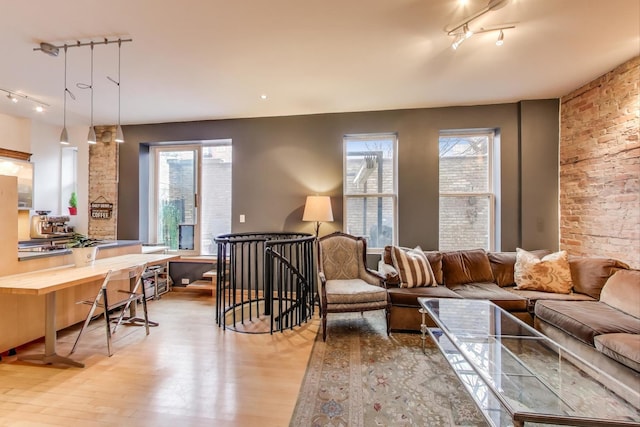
(53, 50)
(15, 97)
(461, 31)
(64, 135)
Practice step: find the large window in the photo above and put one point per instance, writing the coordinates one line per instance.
(467, 200)
(370, 188)
(191, 199)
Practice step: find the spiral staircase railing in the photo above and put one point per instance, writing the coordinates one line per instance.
(265, 281)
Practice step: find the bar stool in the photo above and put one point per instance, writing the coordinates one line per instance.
(135, 293)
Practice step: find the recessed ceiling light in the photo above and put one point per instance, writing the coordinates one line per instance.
(263, 96)
(39, 109)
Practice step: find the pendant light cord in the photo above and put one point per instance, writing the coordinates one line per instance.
(64, 114)
(119, 49)
(91, 84)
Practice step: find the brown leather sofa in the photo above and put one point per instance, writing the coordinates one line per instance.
(460, 274)
(599, 319)
(605, 332)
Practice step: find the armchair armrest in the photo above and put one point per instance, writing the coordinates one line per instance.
(377, 276)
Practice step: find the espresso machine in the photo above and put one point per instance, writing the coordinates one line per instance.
(45, 226)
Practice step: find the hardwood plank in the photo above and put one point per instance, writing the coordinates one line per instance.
(186, 372)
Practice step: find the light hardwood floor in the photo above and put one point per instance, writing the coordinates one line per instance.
(187, 372)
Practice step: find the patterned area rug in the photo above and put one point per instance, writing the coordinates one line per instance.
(362, 377)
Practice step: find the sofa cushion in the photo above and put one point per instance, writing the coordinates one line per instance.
(409, 297)
(503, 263)
(590, 274)
(622, 291)
(413, 267)
(625, 348)
(549, 274)
(434, 257)
(469, 266)
(533, 296)
(490, 291)
(584, 320)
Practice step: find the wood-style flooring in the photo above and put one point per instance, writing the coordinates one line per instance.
(187, 372)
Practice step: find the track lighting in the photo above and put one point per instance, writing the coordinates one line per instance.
(14, 97)
(458, 41)
(462, 31)
(467, 32)
(52, 50)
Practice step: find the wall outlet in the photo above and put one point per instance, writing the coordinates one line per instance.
(185, 281)
(242, 218)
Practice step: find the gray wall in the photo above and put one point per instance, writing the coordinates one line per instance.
(278, 161)
(539, 145)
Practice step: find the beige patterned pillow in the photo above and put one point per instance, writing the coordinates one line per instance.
(413, 267)
(549, 274)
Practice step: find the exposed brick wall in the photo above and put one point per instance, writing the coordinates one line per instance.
(103, 181)
(600, 167)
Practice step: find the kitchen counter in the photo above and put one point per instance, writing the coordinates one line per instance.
(28, 250)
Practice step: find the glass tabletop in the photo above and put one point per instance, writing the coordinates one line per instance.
(506, 365)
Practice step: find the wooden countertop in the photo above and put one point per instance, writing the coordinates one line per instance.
(49, 280)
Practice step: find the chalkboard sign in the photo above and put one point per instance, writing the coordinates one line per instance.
(101, 209)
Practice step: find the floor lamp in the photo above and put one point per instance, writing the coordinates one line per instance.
(318, 209)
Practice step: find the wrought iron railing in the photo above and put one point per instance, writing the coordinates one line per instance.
(265, 281)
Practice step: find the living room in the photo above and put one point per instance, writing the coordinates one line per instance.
(565, 182)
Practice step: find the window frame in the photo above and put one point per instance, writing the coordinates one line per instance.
(491, 188)
(393, 195)
(198, 147)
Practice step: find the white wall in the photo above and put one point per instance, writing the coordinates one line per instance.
(45, 147)
(42, 140)
(14, 133)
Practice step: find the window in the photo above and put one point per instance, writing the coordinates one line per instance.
(191, 195)
(370, 188)
(466, 190)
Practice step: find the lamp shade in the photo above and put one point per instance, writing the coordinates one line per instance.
(318, 208)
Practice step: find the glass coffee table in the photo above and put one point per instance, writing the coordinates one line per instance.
(517, 375)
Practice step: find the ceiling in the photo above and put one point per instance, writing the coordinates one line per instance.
(213, 59)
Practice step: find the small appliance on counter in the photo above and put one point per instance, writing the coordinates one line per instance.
(45, 226)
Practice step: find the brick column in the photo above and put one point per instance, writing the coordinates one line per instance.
(103, 181)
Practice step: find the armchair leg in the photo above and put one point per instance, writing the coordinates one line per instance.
(388, 315)
(324, 326)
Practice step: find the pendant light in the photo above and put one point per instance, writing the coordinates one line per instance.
(64, 136)
(119, 134)
(91, 138)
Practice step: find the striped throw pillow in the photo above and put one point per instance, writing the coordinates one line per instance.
(413, 267)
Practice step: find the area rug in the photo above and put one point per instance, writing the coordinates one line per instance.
(362, 377)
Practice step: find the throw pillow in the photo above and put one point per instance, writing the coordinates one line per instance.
(549, 274)
(413, 267)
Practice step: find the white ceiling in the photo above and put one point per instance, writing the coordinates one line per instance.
(212, 59)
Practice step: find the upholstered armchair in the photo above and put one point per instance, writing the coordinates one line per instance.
(346, 284)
